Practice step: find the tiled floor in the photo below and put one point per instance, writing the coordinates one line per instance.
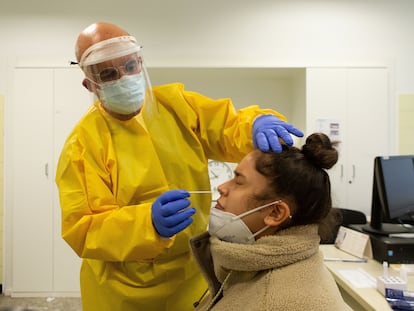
(40, 304)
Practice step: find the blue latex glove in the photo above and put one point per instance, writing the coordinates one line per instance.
(267, 129)
(170, 214)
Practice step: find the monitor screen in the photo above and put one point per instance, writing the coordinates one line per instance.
(392, 195)
(398, 178)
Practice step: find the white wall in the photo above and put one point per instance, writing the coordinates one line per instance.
(222, 33)
(406, 124)
(270, 88)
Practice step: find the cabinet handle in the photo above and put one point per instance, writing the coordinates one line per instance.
(47, 170)
(342, 171)
(353, 175)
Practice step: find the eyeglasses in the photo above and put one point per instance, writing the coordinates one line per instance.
(131, 67)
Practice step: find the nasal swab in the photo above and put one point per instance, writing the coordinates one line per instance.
(202, 192)
(199, 191)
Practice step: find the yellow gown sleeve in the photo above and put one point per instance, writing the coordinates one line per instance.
(226, 134)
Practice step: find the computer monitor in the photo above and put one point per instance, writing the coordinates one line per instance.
(392, 208)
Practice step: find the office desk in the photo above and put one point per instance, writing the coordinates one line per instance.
(358, 298)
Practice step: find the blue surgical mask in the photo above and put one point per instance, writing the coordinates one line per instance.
(125, 95)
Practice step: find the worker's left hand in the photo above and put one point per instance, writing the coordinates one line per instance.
(267, 129)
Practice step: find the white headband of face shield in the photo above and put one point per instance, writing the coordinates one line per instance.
(109, 49)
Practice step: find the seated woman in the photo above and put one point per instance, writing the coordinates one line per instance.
(262, 248)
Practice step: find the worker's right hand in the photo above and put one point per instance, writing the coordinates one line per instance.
(170, 214)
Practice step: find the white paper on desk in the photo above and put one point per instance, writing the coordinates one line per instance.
(359, 278)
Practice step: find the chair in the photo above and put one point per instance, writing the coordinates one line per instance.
(352, 217)
(328, 228)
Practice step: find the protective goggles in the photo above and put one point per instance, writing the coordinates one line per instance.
(115, 69)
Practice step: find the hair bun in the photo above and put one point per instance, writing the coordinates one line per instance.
(319, 150)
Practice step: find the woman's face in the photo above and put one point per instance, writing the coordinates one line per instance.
(238, 194)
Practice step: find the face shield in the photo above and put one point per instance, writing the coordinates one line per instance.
(112, 60)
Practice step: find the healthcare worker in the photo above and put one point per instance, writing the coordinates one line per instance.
(127, 169)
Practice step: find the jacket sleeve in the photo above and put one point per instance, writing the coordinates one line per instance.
(225, 133)
(93, 224)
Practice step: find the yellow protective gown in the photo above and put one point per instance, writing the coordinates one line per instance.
(110, 172)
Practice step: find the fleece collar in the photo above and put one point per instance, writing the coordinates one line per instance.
(269, 252)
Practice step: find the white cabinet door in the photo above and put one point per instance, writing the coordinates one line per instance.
(46, 106)
(32, 234)
(368, 132)
(356, 99)
(326, 102)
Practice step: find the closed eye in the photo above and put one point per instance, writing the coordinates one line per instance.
(238, 179)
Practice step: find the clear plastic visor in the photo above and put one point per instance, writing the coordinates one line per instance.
(114, 69)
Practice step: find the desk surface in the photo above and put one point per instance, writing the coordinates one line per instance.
(365, 298)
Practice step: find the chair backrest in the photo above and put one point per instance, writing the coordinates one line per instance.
(352, 217)
(328, 228)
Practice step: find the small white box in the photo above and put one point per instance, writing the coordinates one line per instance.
(394, 282)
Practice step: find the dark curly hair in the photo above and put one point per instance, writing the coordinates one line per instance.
(298, 177)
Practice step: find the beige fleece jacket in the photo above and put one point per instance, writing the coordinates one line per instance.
(279, 272)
